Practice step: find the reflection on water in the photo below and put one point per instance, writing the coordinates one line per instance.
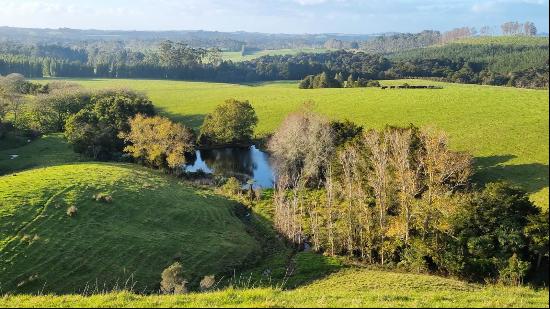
(242, 163)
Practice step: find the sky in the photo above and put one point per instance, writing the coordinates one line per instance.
(272, 16)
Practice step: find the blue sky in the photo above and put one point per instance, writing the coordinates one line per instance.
(275, 16)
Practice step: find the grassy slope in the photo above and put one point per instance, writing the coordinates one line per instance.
(348, 288)
(48, 150)
(152, 230)
(506, 128)
(152, 220)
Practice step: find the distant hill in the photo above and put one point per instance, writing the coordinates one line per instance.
(232, 41)
(502, 54)
(401, 41)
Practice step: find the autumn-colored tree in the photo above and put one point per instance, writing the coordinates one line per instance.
(94, 130)
(405, 160)
(444, 171)
(157, 141)
(379, 178)
(301, 148)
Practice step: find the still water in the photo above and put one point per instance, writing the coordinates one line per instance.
(242, 163)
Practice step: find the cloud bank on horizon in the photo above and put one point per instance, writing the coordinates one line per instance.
(275, 16)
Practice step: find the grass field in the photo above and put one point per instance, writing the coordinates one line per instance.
(48, 150)
(237, 56)
(505, 128)
(152, 221)
(53, 249)
(347, 288)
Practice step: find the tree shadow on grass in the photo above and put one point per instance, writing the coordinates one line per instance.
(193, 121)
(531, 177)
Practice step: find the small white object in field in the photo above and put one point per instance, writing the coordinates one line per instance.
(28, 141)
(13, 157)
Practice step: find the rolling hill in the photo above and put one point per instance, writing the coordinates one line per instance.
(152, 221)
(502, 54)
(506, 129)
(121, 247)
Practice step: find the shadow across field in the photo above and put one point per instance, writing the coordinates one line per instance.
(280, 264)
(192, 121)
(531, 177)
(264, 83)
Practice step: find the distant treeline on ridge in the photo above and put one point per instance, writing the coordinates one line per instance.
(521, 66)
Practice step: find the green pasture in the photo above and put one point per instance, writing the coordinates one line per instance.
(152, 221)
(506, 129)
(348, 288)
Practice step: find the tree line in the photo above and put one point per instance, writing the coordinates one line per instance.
(324, 81)
(401, 41)
(520, 66)
(515, 28)
(400, 196)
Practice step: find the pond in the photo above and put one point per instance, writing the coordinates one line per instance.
(241, 163)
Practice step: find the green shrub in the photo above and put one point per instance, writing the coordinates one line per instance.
(94, 130)
(514, 272)
(321, 80)
(489, 232)
(232, 187)
(232, 122)
(414, 257)
(373, 83)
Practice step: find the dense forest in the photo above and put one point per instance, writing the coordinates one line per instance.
(502, 58)
(401, 41)
(527, 66)
(516, 60)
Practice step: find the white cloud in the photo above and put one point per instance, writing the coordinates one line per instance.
(310, 2)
